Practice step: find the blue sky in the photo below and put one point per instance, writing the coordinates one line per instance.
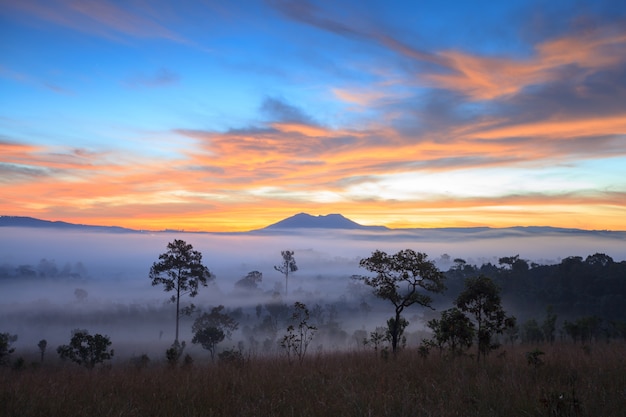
(210, 115)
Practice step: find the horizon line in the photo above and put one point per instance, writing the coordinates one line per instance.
(173, 229)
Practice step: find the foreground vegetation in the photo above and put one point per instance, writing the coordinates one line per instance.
(574, 380)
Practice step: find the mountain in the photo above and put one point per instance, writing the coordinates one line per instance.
(19, 221)
(330, 221)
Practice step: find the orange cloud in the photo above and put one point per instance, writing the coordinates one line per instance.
(302, 129)
(559, 129)
(361, 98)
(245, 180)
(487, 78)
(15, 151)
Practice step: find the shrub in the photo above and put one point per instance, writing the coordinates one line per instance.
(174, 353)
(533, 358)
(231, 357)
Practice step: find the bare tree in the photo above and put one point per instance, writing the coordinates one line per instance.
(300, 335)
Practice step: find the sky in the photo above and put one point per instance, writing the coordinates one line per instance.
(229, 116)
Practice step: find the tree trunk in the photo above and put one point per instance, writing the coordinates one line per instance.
(394, 332)
(177, 307)
(479, 333)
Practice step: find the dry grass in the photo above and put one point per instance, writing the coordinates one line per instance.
(571, 383)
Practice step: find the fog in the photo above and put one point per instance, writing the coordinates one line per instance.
(119, 300)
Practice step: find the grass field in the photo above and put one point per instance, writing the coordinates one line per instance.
(572, 382)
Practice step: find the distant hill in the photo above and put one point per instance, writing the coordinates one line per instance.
(330, 221)
(333, 221)
(19, 221)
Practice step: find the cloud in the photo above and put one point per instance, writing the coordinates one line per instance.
(98, 17)
(12, 173)
(57, 88)
(29, 79)
(381, 95)
(161, 78)
(281, 111)
(559, 129)
(581, 52)
(306, 12)
(487, 78)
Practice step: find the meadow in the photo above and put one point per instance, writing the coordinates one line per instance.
(574, 380)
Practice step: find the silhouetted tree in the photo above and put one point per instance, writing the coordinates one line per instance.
(180, 269)
(583, 329)
(402, 279)
(209, 329)
(85, 349)
(548, 326)
(288, 265)
(531, 332)
(6, 340)
(599, 260)
(481, 298)
(250, 281)
(454, 331)
(43, 343)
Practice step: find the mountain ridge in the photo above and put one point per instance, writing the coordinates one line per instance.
(297, 221)
(329, 221)
(32, 222)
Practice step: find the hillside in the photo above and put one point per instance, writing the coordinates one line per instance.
(330, 221)
(20, 221)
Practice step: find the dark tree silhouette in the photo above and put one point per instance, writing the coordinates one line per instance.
(43, 343)
(453, 331)
(85, 349)
(6, 340)
(402, 279)
(288, 265)
(250, 282)
(180, 269)
(481, 298)
(211, 328)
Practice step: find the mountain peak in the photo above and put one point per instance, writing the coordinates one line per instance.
(329, 221)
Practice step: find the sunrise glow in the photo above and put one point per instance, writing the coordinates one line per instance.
(229, 116)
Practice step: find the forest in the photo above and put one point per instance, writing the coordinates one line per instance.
(587, 294)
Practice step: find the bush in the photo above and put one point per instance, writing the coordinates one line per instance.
(174, 353)
(230, 356)
(533, 358)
